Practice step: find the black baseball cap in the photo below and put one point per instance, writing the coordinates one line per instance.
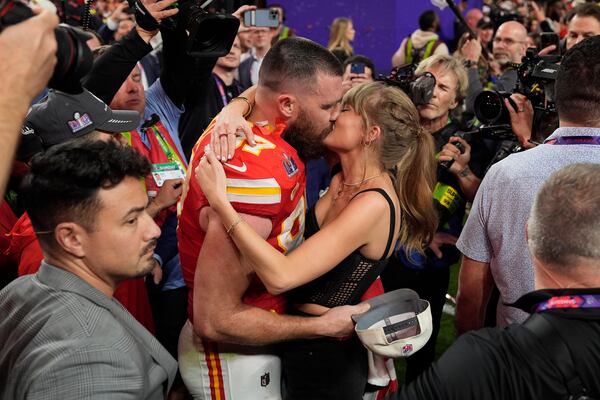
(63, 116)
(485, 23)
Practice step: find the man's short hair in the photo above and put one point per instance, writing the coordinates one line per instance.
(585, 10)
(359, 59)
(564, 221)
(449, 63)
(427, 20)
(63, 183)
(296, 60)
(577, 92)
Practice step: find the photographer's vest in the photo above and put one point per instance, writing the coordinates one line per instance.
(414, 55)
(447, 195)
(161, 151)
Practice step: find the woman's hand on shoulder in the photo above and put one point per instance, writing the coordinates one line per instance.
(210, 175)
(228, 124)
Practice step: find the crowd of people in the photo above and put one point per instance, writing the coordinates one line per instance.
(181, 221)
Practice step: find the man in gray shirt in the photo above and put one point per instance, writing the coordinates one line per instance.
(63, 335)
(493, 239)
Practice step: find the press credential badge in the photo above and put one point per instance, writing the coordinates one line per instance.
(166, 171)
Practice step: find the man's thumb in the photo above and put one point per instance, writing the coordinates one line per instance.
(361, 308)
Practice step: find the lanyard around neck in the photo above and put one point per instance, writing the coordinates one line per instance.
(570, 301)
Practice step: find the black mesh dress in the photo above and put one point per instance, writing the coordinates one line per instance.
(330, 368)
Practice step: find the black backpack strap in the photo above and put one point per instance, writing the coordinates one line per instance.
(559, 353)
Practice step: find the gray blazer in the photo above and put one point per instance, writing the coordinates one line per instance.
(60, 338)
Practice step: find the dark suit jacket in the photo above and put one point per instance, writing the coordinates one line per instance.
(244, 73)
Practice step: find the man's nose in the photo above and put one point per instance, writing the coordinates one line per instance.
(132, 87)
(335, 113)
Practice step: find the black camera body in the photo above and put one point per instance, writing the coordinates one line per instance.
(419, 88)
(535, 80)
(74, 57)
(209, 35)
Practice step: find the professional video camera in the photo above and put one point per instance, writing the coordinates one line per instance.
(209, 35)
(535, 80)
(74, 57)
(418, 87)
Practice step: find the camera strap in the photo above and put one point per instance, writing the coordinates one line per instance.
(575, 140)
(558, 351)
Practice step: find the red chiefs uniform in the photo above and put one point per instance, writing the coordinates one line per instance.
(266, 180)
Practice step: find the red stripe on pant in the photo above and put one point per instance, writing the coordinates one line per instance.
(215, 373)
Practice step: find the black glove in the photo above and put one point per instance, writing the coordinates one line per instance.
(143, 18)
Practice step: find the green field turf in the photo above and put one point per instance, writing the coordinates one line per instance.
(447, 333)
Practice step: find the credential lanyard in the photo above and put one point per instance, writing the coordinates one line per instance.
(172, 155)
(570, 301)
(575, 140)
(221, 90)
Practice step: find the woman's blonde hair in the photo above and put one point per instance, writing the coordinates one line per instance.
(406, 152)
(337, 35)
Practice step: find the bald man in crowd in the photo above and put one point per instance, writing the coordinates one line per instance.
(555, 353)
(509, 47)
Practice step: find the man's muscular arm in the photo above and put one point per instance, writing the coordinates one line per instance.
(475, 285)
(220, 282)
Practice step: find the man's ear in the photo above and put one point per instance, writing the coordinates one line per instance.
(287, 105)
(71, 238)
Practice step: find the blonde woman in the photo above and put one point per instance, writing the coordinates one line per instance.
(382, 195)
(341, 34)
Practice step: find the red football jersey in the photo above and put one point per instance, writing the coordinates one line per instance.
(266, 180)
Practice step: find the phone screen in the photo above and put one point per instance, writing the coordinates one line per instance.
(357, 68)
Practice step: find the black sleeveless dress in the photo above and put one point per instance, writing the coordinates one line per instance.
(329, 368)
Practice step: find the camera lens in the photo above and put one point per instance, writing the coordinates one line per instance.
(490, 108)
(74, 60)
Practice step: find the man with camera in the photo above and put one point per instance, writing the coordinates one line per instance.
(210, 96)
(509, 47)
(555, 354)
(493, 242)
(25, 68)
(462, 164)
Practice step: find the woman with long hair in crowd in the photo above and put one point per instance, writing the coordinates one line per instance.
(340, 35)
(382, 195)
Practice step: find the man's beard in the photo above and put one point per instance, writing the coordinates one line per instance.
(301, 136)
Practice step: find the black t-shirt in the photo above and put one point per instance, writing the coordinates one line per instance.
(202, 108)
(512, 363)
